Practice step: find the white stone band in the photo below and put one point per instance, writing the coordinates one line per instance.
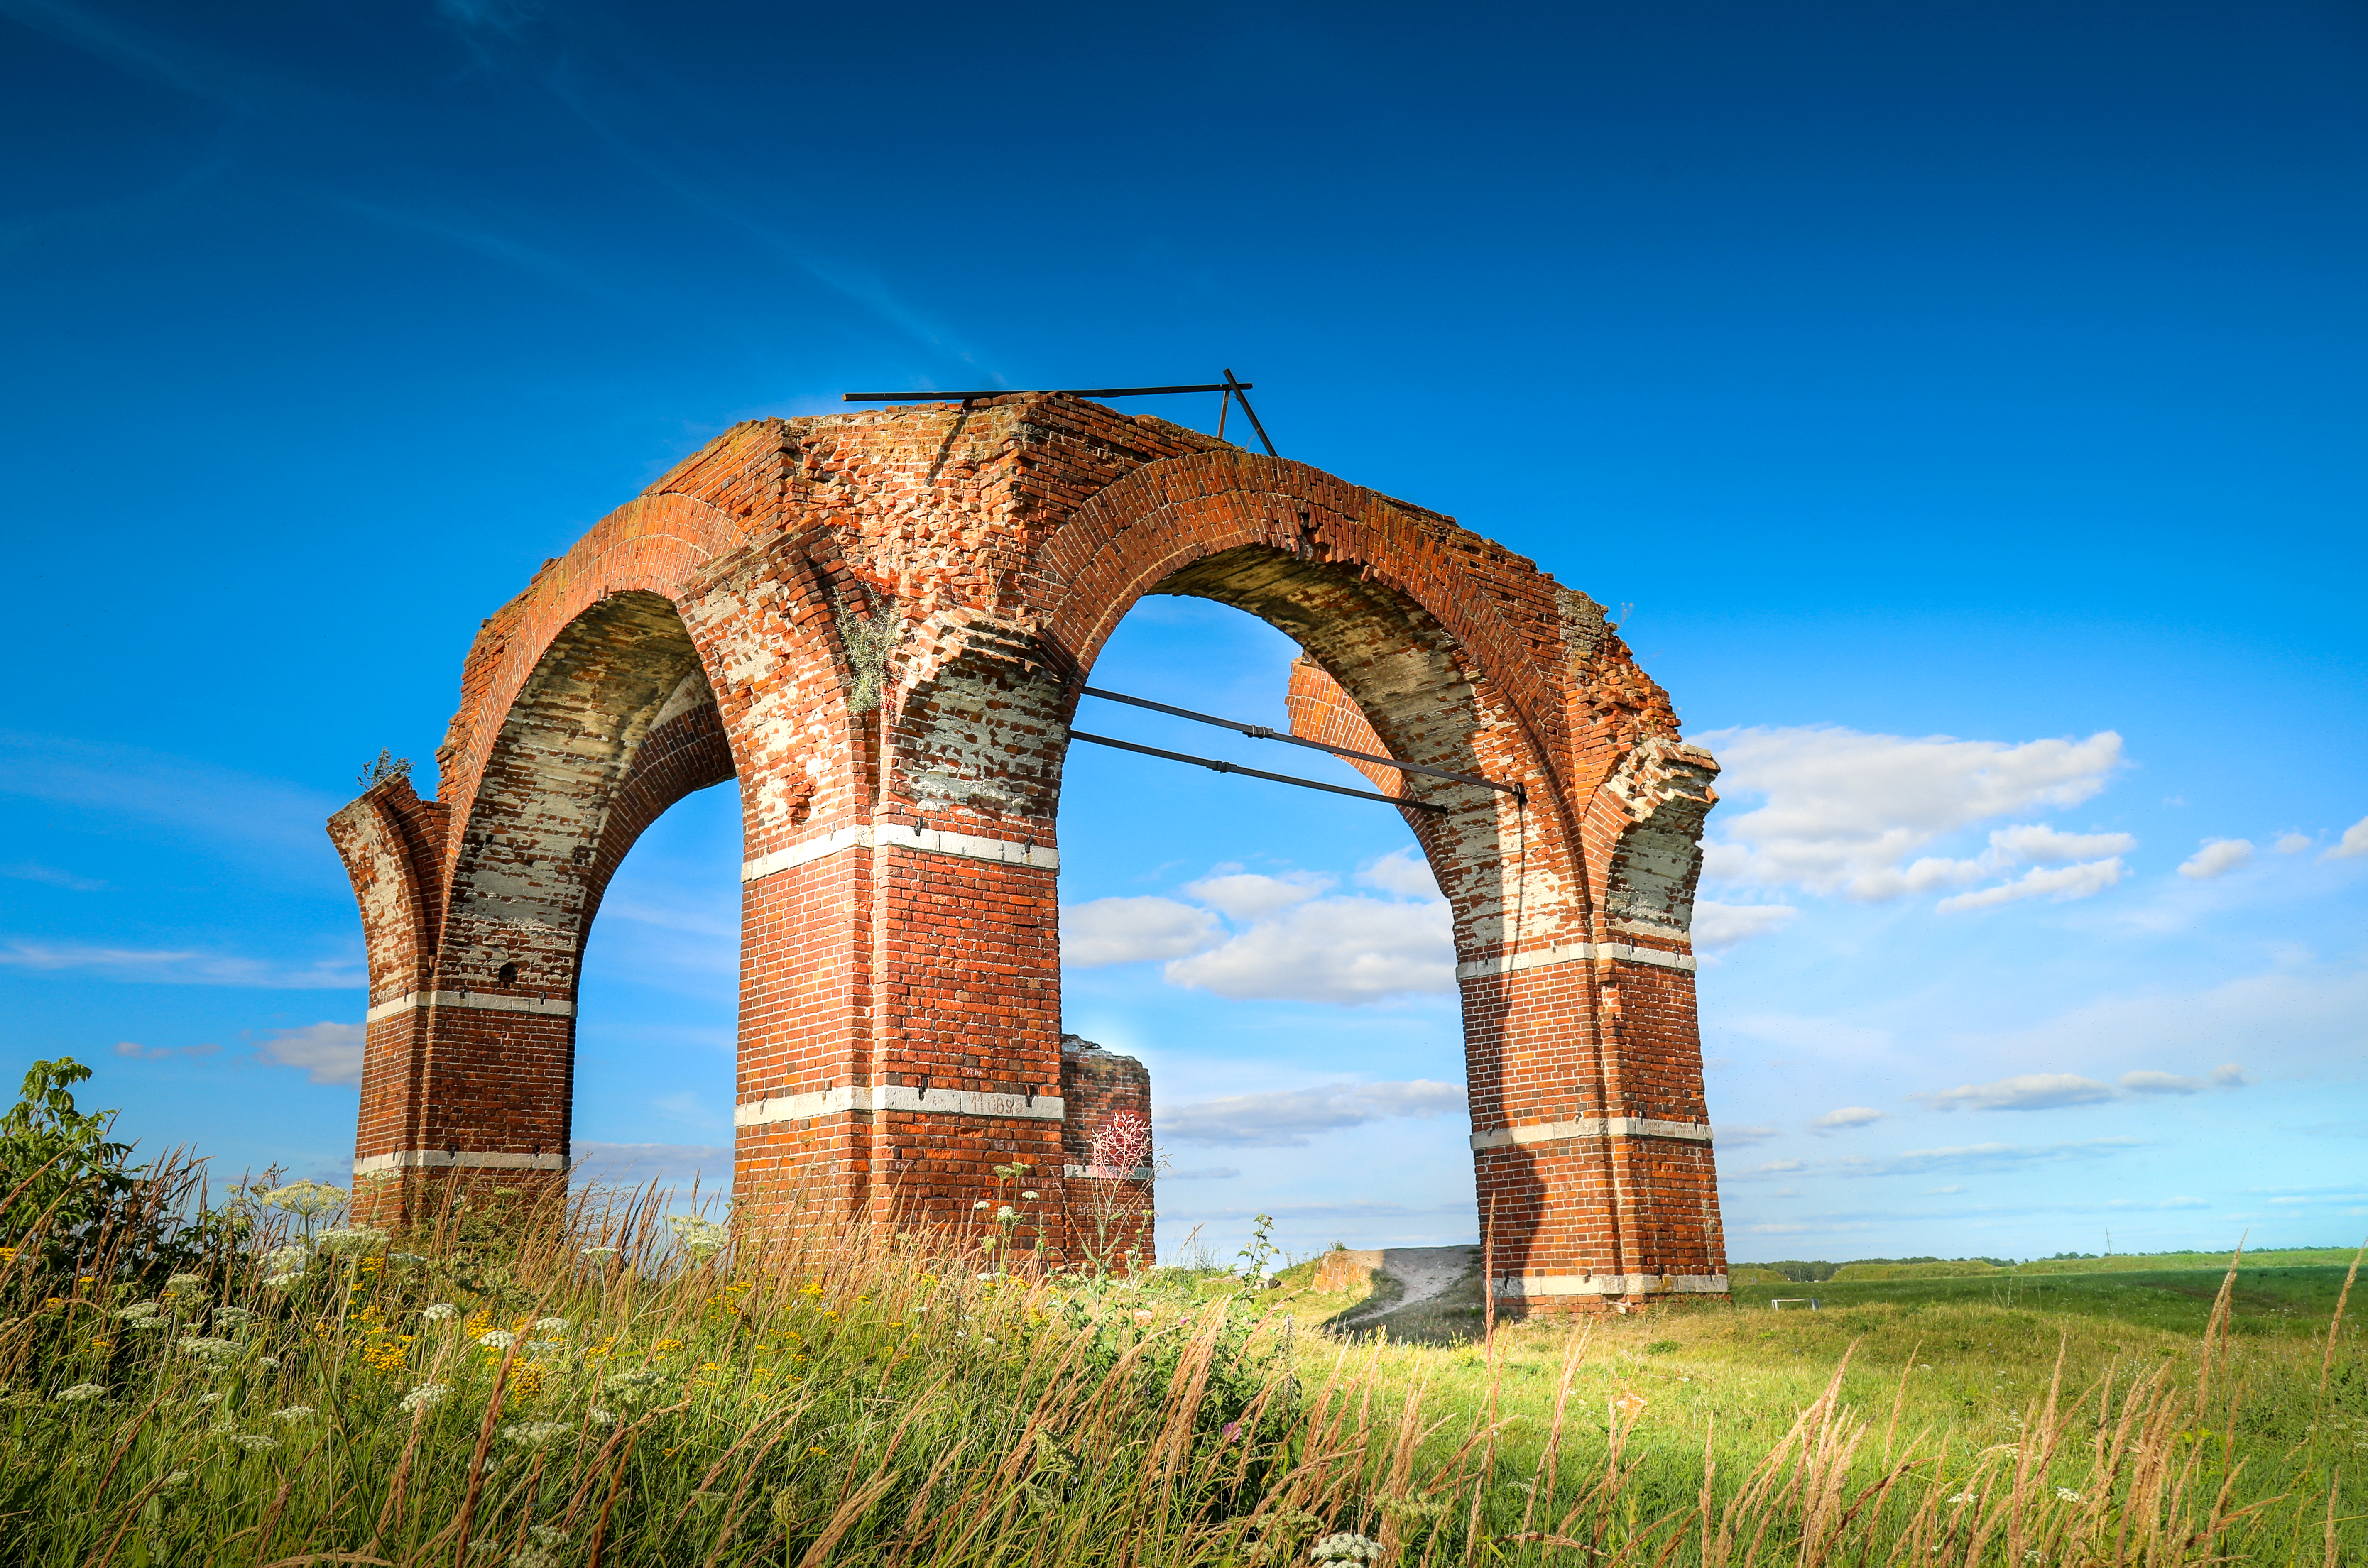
(480, 1000)
(896, 1097)
(440, 1159)
(1515, 1287)
(1608, 1127)
(897, 835)
(1573, 953)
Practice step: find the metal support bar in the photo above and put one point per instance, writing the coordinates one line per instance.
(1227, 385)
(1265, 733)
(1215, 765)
(1237, 387)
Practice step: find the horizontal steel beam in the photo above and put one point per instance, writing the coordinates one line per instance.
(1023, 392)
(1213, 764)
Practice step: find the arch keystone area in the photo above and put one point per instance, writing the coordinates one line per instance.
(880, 623)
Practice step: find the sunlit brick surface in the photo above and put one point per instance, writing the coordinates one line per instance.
(879, 622)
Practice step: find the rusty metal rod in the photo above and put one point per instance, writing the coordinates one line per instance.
(1215, 765)
(1237, 387)
(1227, 385)
(1265, 733)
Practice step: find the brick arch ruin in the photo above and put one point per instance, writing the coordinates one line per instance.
(880, 623)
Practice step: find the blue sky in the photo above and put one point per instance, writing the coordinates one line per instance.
(1960, 408)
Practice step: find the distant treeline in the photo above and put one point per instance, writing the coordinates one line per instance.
(1800, 1271)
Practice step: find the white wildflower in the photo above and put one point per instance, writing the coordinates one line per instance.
(550, 1325)
(268, 1363)
(599, 1418)
(601, 1254)
(699, 1237)
(293, 1413)
(1962, 1498)
(81, 1392)
(208, 1350)
(1030, 1197)
(534, 1434)
(152, 1323)
(980, 1204)
(282, 1282)
(305, 1198)
(406, 1257)
(1345, 1546)
(185, 1281)
(353, 1238)
(254, 1442)
(2066, 1494)
(139, 1310)
(536, 1348)
(231, 1317)
(632, 1387)
(496, 1339)
(439, 1311)
(426, 1396)
(280, 1260)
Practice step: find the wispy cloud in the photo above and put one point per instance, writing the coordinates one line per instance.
(1287, 1118)
(198, 797)
(1984, 1157)
(139, 1052)
(2023, 1091)
(325, 1052)
(33, 872)
(2216, 859)
(626, 1164)
(180, 966)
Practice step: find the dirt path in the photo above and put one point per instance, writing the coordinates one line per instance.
(1423, 1273)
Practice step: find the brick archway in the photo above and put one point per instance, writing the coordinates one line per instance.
(880, 622)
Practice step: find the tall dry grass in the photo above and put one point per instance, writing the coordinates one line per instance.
(605, 1391)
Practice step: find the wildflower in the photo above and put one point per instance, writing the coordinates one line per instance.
(1028, 1197)
(534, 1434)
(139, 1310)
(208, 1350)
(697, 1236)
(280, 1260)
(7, 1255)
(405, 1257)
(292, 1413)
(2065, 1493)
(268, 1363)
(1345, 1546)
(426, 1396)
(205, 1399)
(439, 1311)
(81, 1392)
(231, 1317)
(185, 1281)
(986, 1339)
(550, 1325)
(633, 1388)
(282, 1282)
(599, 1418)
(304, 1199)
(352, 1238)
(546, 1347)
(254, 1442)
(1962, 1498)
(980, 1204)
(601, 1254)
(666, 1345)
(1144, 1314)
(496, 1339)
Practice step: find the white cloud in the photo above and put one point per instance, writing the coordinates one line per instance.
(629, 1164)
(2160, 1084)
(181, 966)
(2354, 842)
(2229, 1075)
(1847, 1115)
(1284, 1118)
(139, 1052)
(1847, 812)
(1246, 895)
(2062, 884)
(2292, 843)
(1131, 930)
(328, 1053)
(1720, 926)
(2024, 1091)
(1403, 871)
(2039, 845)
(2216, 859)
(1984, 1157)
(1347, 950)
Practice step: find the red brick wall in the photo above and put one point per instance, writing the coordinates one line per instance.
(878, 621)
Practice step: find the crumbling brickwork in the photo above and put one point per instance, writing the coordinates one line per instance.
(879, 622)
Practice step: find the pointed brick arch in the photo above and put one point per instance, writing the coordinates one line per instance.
(880, 623)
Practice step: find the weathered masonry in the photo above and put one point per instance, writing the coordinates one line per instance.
(880, 623)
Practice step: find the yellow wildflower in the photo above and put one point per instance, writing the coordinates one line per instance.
(666, 1345)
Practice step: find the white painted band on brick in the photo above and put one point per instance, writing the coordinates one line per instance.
(1573, 953)
(897, 835)
(1592, 1127)
(442, 1159)
(1106, 1172)
(484, 1001)
(895, 1097)
(1513, 1287)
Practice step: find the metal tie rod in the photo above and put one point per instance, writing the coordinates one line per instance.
(1215, 765)
(1053, 392)
(1265, 733)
